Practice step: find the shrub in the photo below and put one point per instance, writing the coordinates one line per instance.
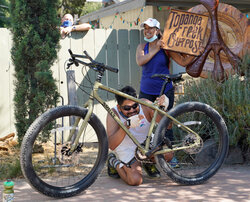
(230, 98)
(10, 169)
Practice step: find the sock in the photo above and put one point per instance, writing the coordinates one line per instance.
(114, 162)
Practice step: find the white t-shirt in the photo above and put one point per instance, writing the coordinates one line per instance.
(126, 149)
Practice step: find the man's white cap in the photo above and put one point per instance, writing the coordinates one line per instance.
(151, 22)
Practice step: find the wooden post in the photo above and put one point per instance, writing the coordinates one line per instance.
(72, 98)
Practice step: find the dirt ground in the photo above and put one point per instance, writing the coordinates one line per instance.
(231, 183)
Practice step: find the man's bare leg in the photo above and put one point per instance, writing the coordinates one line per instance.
(132, 176)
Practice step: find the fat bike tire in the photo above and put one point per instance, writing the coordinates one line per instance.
(63, 176)
(196, 165)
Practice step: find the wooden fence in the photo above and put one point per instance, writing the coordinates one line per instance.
(112, 47)
(115, 48)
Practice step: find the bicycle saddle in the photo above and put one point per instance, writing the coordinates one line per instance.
(170, 77)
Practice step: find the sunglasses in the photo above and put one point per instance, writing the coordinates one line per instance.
(127, 108)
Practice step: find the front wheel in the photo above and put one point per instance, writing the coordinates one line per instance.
(46, 162)
(195, 165)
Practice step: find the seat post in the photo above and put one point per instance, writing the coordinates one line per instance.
(163, 87)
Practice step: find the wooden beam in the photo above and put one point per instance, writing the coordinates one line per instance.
(243, 5)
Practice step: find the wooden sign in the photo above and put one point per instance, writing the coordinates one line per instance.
(184, 32)
(234, 29)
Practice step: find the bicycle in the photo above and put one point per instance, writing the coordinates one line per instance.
(65, 169)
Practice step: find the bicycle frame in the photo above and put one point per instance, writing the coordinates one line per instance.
(90, 106)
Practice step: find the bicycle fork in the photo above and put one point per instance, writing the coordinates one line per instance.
(90, 106)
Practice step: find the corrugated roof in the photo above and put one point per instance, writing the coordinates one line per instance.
(112, 9)
(243, 5)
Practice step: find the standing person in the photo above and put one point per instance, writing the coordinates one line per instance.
(67, 25)
(155, 60)
(125, 165)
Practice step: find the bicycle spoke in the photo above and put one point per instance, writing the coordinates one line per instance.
(195, 164)
(53, 165)
(49, 161)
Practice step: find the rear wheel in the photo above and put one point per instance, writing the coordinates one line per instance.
(194, 165)
(45, 158)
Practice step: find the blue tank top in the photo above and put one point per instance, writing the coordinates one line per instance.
(159, 64)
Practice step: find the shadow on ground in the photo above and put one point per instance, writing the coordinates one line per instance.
(230, 184)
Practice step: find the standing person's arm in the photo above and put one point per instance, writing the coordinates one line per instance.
(181, 59)
(149, 113)
(141, 58)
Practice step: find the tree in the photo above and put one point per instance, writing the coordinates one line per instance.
(4, 11)
(35, 43)
(90, 7)
(78, 7)
(71, 6)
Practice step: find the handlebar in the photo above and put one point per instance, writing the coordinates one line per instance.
(97, 66)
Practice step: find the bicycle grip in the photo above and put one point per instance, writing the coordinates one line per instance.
(112, 69)
(73, 58)
(87, 55)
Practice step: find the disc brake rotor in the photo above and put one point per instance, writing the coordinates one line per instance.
(66, 157)
(191, 139)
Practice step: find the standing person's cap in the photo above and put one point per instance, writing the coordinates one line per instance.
(151, 22)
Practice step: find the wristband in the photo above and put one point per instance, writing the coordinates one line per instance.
(74, 28)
